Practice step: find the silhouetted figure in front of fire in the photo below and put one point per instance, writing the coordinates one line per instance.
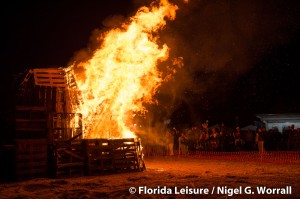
(169, 142)
(204, 137)
(214, 140)
(196, 137)
(238, 142)
(291, 134)
(183, 144)
(297, 139)
(277, 138)
(274, 139)
(249, 140)
(176, 135)
(229, 141)
(222, 137)
(192, 141)
(221, 141)
(285, 132)
(260, 137)
(203, 140)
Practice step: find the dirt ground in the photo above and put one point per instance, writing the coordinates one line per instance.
(172, 174)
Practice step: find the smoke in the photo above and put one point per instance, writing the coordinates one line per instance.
(220, 41)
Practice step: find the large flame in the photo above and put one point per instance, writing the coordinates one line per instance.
(123, 74)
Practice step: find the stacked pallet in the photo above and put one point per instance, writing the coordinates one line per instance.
(31, 158)
(98, 156)
(31, 122)
(31, 142)
(49, 135)
(66, 159)
(113, 155)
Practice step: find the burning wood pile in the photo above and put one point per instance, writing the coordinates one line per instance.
(49, 138)
(84, 112)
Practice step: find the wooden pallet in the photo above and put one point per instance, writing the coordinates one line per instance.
(67, 160)
(30, 122)
(53, 77)
(48, 87)
(31, 158)
(113, 155)
(36, 158)
(125, 154)
(98, 156)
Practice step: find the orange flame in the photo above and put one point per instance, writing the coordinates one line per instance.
(123, 74)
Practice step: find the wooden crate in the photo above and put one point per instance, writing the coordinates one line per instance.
(125, 154)
(113, 155)
(31, 158)
(98, 156)
(66, 160)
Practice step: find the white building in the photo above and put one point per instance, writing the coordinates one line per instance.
(280, 121)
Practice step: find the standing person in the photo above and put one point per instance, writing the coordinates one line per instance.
(214, 139)
(298, 139)
(256, 139)
(237, 139)
(291, 137)
(170, 142)
(191, 136)
(183, 141)
(260, 135)
(204, 136)
(176, 135)
(221, 141)
(196, 133)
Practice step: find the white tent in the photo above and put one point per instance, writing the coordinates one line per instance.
(250, 127)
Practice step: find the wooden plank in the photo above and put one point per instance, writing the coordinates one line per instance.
(32, 125)
(28, 129)
(37, 120)
(50, 75)
(30, 108)
(31, 172)
(30, 156)
(21, 165)
(69, 172)
(71, 164)
(29, 143)
(74, 155)
(31, 133)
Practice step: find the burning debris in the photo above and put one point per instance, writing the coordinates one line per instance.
(84, 113)
(122, 74)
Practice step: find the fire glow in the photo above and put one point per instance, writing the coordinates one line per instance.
(122, 73)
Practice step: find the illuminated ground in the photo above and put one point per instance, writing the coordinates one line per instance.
(170, 172)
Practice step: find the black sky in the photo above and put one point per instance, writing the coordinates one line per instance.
(244, 53)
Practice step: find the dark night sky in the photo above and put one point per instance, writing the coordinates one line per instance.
(245, 53)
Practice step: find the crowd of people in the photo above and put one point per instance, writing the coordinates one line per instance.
(226, 139)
